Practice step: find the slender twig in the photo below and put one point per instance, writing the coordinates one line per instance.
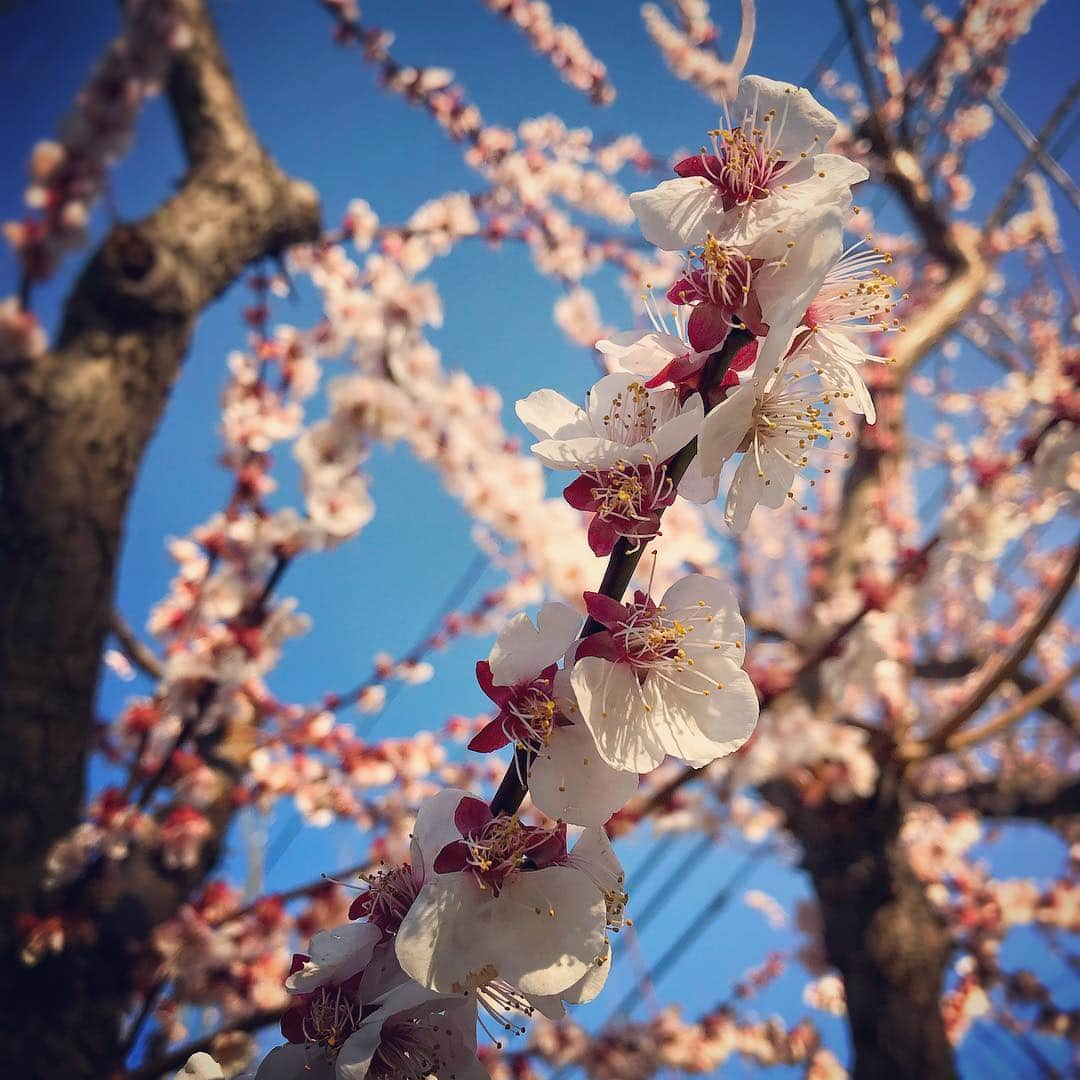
(862, 61)
(961, 740)
(1005, 666)
(140, 654)
(176, 1059)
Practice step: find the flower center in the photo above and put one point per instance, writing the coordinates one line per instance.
(627, 493)
(532, 717)
(857, 292)
(333, 1014)
(387, 901)
(648, 639)
(725, 273)
(631, 418)
(743, 166)
(408, 1050)
(791, 424)
(504, 847)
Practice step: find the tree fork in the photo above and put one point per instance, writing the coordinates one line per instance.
(74, 425)
(879, 928)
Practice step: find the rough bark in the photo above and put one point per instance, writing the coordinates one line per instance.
(73, 428)
(880, 931)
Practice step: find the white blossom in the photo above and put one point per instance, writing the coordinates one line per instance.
(666, 678)
(764, 169)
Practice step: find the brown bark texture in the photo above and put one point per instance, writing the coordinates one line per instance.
(73, 428)
(880, 932)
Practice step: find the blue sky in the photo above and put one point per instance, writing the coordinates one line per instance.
(317, 108)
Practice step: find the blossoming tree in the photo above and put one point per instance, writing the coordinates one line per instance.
(805, 591)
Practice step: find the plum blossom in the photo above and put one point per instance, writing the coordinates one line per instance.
(721, 288)
(519, 675)
(856, 298)
(620, 445)
(388, 897)
(403, 1033)
(666, 678)
(505, 915)
(624, 422)
(764, 169)
(773, 419)
(765, 284)
(568, 778)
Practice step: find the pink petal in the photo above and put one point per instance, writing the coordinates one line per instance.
(699, 165)
(471, 815)
(602, 645)
(603, 609)
(499, 694)
(452, 858)
(602, 536)
(579, 494)
(708, 326)
(490, 737)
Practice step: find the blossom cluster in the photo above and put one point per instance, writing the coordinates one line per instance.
(69, 174)
(492, 917)
(562, 43)
(859, 629)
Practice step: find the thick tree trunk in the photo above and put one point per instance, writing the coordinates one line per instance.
(880, 932)
(73, 428)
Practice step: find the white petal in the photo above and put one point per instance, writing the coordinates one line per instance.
(594, 854)
(677, 213)
(670, 437)
(456, 1019)
(552, 952)
(786, 292)
(457, 936)
(602, 396)
(744, 493)
(840, 172)
(725, 719)
(522, 650)
(383, 973)
(548, 1005)
(840, 374)
(581, 993)
(336, 955)
(570, 781)
(800, 123)
(725, 428)
(434, 828)
(448, 939)
(583, 453)
(293, 1062)
(696, 487)
(200, 1066)
(641, 351)
(726, 628)
(548, 414)
(673, 714)
(611, 706)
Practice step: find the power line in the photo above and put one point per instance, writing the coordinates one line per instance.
(461, 588)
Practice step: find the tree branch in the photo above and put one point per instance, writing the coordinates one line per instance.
(73, 429)
(140, 654)
(1004, 667)
(1016, 712)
